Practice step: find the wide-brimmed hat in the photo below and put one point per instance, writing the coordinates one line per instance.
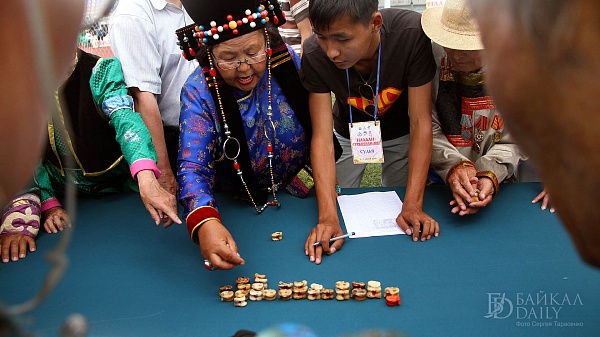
(217, 21)
(452, 26)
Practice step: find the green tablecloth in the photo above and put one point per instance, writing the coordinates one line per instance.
(509, 270)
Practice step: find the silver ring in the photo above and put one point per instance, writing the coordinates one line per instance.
(208, 265)
(238, 148)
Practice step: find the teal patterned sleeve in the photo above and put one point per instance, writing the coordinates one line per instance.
(110, 94)
(42, 185)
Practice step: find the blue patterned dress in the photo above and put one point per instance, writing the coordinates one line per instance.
(200, 160)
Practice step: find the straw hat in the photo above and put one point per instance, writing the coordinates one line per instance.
(452, 26)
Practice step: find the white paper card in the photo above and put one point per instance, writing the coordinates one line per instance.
(371, 214)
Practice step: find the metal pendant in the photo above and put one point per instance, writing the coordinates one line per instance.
(467, 134)
(497, 136)
(479, 136)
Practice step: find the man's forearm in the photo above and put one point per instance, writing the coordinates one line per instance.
(418, 165)
(421, 140)
(147, 106)
(305, 30)
(321, 156)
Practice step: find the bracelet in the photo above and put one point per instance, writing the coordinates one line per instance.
(461, 163)
(199, 217)
(492, 176)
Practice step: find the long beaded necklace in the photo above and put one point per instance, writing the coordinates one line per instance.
(269, 123)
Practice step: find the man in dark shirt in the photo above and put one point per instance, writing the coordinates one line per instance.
(379, 65)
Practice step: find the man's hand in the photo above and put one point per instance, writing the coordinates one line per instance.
(56, 220)
(485, 189)
(167, 180)
(463, 182)
(161, 204)
(14, 246)
(322, 232)
(422, 224)
(544, 196)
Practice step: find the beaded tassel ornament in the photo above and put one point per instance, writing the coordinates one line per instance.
(268, 125)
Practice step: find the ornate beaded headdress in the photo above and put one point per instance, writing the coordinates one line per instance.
(218, 21)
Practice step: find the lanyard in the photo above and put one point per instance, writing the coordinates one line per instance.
(376, 85)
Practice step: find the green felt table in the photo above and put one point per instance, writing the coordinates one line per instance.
(510, 270)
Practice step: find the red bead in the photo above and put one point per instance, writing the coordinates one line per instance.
(250, 18)
(283, 14)
(235, 32)
(392, 300)
(275, 20)
(236, 165)
(229, 17)
(213, 72)
(184, 56)
(225, 26)
(239, 22)
(272, 203)
(192, 52)
(270, 148)
(269, 51)
(214, 30)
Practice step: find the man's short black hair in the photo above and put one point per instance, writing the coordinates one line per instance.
(322, 13)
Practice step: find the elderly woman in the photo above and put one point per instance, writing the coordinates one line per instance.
(244, 119)
(471, 150)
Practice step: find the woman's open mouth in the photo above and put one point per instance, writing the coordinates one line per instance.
(245, 80)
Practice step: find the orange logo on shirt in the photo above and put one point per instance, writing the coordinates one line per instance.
(386, 99)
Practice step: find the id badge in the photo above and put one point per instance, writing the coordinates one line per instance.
(365, 139)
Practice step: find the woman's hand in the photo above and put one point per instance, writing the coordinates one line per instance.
(56, 220)
(161, 204)
(14, 246)
(217, 246)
